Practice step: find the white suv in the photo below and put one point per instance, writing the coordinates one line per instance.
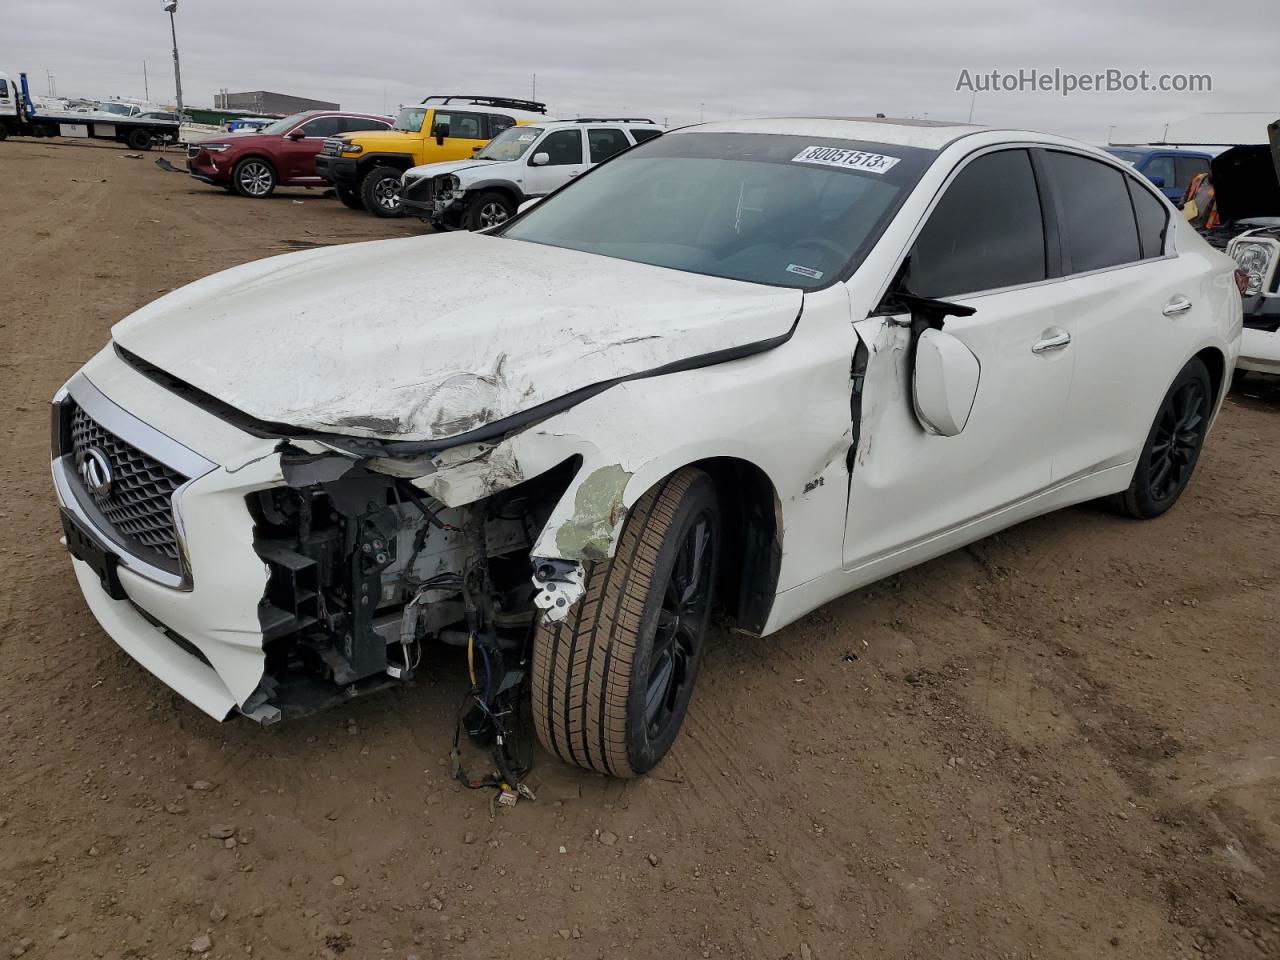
(519, 164)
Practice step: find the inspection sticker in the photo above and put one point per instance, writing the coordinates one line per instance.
(804, 271)
(846, 159)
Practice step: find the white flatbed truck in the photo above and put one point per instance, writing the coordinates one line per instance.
(19, 116)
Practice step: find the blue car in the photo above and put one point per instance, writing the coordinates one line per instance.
(1170, 170)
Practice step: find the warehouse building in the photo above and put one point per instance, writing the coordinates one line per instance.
(264, 101)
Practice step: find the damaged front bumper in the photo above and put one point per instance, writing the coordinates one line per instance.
(268, 577)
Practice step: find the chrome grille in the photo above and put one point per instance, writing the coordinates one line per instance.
(139, 503)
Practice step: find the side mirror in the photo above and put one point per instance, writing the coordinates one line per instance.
(540, 160)
(944, 383)
(1158, 181)
(295, 135)
(440, 131)
(532, 202)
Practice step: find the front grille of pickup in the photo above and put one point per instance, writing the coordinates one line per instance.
(139, 501)
(422, 190)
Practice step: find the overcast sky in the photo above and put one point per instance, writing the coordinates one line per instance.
(668, 59)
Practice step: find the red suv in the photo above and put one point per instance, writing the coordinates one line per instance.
(281, 155)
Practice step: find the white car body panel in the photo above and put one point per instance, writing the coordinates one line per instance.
(399, 340)
(485, 353)
(1259, 352)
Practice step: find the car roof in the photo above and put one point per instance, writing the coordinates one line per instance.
(1147, 151)
(602, 121)
(329, 113)
(929, 134)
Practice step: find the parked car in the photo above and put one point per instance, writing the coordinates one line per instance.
(365, 170)
(282, 154)
(251, 124)
(519, 164)
(746, 366)
(1246, 187)
(1170, 170)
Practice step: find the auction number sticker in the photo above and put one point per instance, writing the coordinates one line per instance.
(846, 159)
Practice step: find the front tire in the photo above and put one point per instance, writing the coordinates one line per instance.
(380, 191)
(1173, 446)
(489, 210)
(349, 197)
(613, 680)
(253, 177)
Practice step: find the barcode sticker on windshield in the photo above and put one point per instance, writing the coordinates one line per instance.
(804, 271)
(846, 159)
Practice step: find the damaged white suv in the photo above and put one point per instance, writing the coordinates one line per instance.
(744, 367)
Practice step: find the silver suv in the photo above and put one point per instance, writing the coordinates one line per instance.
(519, 164)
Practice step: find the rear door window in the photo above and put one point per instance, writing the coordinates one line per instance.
(1188, 168)
(605, 142)
(986, 233)
(499, 122)
(352, 124)
(1097, 218)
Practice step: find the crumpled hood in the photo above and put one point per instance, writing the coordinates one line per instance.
(428, 337)
(447, 166)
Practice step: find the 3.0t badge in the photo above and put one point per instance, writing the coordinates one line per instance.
(95, 471)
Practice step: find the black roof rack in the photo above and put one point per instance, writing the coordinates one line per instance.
(612, 120)
(508, 103)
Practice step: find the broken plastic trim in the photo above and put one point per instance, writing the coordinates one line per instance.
(407, 449)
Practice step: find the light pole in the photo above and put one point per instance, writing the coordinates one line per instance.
(170, 6)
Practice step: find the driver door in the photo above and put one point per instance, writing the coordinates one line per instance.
(914, 494)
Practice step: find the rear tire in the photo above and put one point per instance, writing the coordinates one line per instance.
(1173, 446)
(138, 140)
(612, 681)
(349, 197)
(380, 191)
(489, 210)
(254, 177)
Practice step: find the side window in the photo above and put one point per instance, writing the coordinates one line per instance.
(499, 122)
(352, 124)
(564, 147)
(4, 88)
(467, 126)
(641, 134)
(1188, 169)
(1097, 216)
(323, 127)
(1153, 220)
(1161, 167)
(605, 143)
(986, 232)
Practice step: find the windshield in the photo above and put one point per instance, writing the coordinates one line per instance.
(789, 211)
(409, 119)
(285, 125)
(510, 144)
(119, 109)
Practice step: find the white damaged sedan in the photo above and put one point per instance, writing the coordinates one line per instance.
(745, 367)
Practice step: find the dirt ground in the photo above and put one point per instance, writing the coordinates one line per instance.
(1061, 742)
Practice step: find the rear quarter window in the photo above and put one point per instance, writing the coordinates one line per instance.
(641, 134)
(1153, 220)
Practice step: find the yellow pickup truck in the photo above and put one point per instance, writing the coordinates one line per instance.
(365, 167)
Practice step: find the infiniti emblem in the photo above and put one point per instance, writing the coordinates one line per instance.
(95, 471)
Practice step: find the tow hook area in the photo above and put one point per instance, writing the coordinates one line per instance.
(560, 585)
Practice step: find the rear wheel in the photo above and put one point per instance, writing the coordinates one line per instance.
(139, 139)
(254, 177)
(612, 681)
(489, 210)
(1173, 446)
(349, 197)
(380, 191)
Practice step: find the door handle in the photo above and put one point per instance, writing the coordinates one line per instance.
(1177, 307)
(1058, 341)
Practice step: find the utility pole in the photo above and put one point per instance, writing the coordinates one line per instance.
(533, 93)
(146, 88)
(170, 7)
